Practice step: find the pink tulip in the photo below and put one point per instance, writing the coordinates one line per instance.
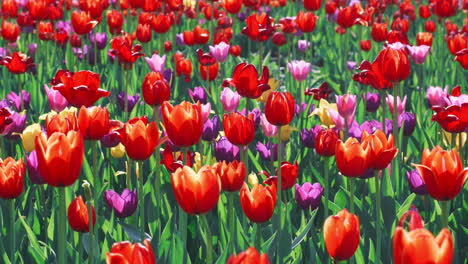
(230, 100)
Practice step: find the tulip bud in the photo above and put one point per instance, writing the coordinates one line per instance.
(118, 151)
(28, 136)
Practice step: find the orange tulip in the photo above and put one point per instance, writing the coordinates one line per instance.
(11, 178)
(125, 252)
(196, 192)
(381, 150)
(420, 246)
(232, 175)
(139, 138)
(78, 215)
(239, 129)
(259, 203)
(341, 233)
(352, 158)
(442, 172)
(93, 122)
(63, 122)
(60, 157)
(249, 256)
(183, 123)
(82, 22)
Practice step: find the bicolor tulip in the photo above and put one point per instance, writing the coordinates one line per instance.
(341, 233)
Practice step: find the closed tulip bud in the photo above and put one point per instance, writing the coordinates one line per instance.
(366, 45)
(416, 183)
(248, 256)
(394, 64)
(430, 26)
(279, 108)
(11, 178)
(220, 51)
(230, 100)
(372, 102)
(196, 192)
(306, 21)
(239, 129)
(232, 175)
(60, 157)
(123, 205)
(441, 166)
(299, 69)
(381, 150)
(341, 233)
(28, 136)
(325, 142)
(408, 121)
(183, 123)
(155, 89)
(118, 151)
(126, 252)
(139, 137)
(346, 105)
(308, 195)
(352, 157)
(57, 102)
(379, 32)
(259, 203)
(78, 217)
(93, 122)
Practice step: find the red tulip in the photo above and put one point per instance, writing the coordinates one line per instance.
(341, 233)
(259, 203)
(348, 16)
(430, 26)
(424, 11)
(352, 157)
(366, 45)
(259, 27)
(9, 8)
(397, 36)
(63, 122)
(114, 21)
(325, 142)
(379, 32)
(279, 39)
(161, 23)
(60, 157)
(279, 108)
(155, 89)
(10, 31)
(233, 6)
(122, 48)
(183, 123)
(453, 118)
(394, 63)
(312, 5)
(401, 25)
(249, 256)
(457, 42)
(172, 164)
(139, 138)
(45, 30)
(462, 58)
(17, 63)
(235, 50)
(244, 79)
(306, 21)
(125, 252)
(381, 150)
(11, 178)
(93, 122)
(201, 35)
(445, 8)
(78, 215)
(143, 33)
(232, 175)
(442, 172)
(209, 72)
(82, 22)
(289, 173)
(239, 129)
(5, 118)
(183, 66)
(196, 192)
(424, 38)
(80, 88)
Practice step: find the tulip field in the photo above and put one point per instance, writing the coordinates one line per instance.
(234, 131)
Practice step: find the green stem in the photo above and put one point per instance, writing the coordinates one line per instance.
(157, 175)
(383, 95)
(183, 215)
(91, 230)
(129, 172)
(278, 196)
(445, 206)
(80, 248)
(126, 82)
(351, 194)
(327, 188)
(258, 236)
(377, 215)
(12, 230)
(396, 160)
(141, 196)
(62, 230)
(232, 230)
(97, 187)
(209, 243)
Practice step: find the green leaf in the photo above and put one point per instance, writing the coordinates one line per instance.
(133, 232)
(304, 232)
(32, 238)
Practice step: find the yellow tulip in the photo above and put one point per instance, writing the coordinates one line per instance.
(28, 137)
(118, 151)
(286, 132)
(448, 139)
(253, 179)
(273, 85)
(322, 112)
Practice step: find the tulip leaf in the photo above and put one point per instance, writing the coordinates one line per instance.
(32, 238)
(304, 231)
(133, 232)
(406, 205)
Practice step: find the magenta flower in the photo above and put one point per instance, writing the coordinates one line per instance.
(57, 101)
(418, 53)
(308, 195)
(400, 104)
(230, 100)
(220, 51)
(436, 96)
(346, 105)
(156, 63)
(123, 205)
(299, 69)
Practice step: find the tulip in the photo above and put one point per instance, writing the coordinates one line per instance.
(143, 33)
(78, 215)
(123, 205)
(126, 252)
(57, 102)
(98, 40)
(232, 175)
(381, 151)
(303, 45)
(442, 172)
(93, 122)
(172, 164)
(436, 96)
(18, 63)
(408, 120)
(416, 183)
(400, 104)
(289, 174)
(239, 129)
(279, 108)
(196, 192)
(352, 157)
(379, 32)
(418, 53)
(211, 129)
(10, 31)
(11, 178)
(226, 151)
(155, 89)
(33, 168)
(18, 123)
(259, 203)
(308, 195)
(19, 101)
(306, 21)
(445, 8)
(220, 51)
(183, 123)
(365, 45)
(198, 94)
(394, 63)
(118, 151)
(420, 246)
(268, 129)
(29, 136)
(139, 137)
(82, 22)
(341, 233)
(248, 256)
(268, 152)
(161, 23)
(372, 102)
(308, 136)
(323, 113)
(156, 62)
(346, 105)
(63, 122)
(230, 100)
(299, 69)
(60, 157)
(326, 142)
(245, 80)
(132, 100)
(259, 27)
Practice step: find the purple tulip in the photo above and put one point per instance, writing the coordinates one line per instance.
(211, 128)
(198, 94)
(16, 127)
(32, 49)
(56, 100)
(123, 205)
(267, 150)
(33, 168)
(110, 139)
(308, 136)
(299, 109)
(351, 65)
(180, 39)
(409, 121)
(16, 99)
(225, 150)
(99, 40)
(220, 51)
(355, 131)
(308, 195)
(372, 102)
(132, 101)
(416, 182)
(372, 125)
(303, 45)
